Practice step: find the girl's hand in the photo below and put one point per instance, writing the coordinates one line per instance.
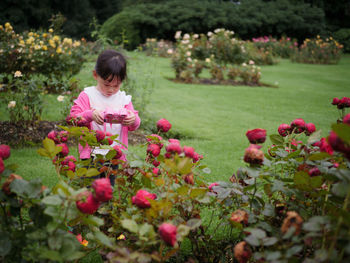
(130, 119)
(97, 117)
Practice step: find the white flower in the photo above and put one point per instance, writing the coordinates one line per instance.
(210, 34)
(190, 46)
(207, 60)
(251, 62)
(244, 64)
(195, 36)
(188, 53)
(177, 34)
(60, 98)
(18, 74)
(217, 30)
(170, 51)
(11, 104)
(186, 36)
(185, 41)
(189, 59)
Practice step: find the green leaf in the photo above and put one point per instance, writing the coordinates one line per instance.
(110, 155)
(52, 200)
(92, 172)
(5, 244)
(43, 152)
(136, 163)
(185, 166)
(49, 254)
(340, 189)
(252, 240)
(81, 171)
(196, 192)
(93, 220)
(343, 131)
(183, 190)
(146, 229)
(182, 232)
(269, 241)
(316, 181)
(316, 136)
(194, 223)
(130, 225)
(103, 239)
(319, 156)
(293, 250)
(276, 139)
(19, 186)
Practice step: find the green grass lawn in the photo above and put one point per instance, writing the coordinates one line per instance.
(214, 119)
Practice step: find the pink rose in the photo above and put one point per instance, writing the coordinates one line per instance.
(253, 155)
(314, 172)
(86, 203)
(142, 197)
(5, 151)
(174, 141)
(325, 147)
(335, 101)
(65, 149)
(156, 171)
(197, 157)
(309, 128)
(337, 144)
(103, 190)
(100, 135)
(68, 159)
(62, 136)
(163, 125)
(156, 139)
(346, 119)
(2, 166)
(174, 148)
(156, 163)
(52, 135)
(212, 185)
(298, 125)
(153, 149)
(119, 152)
(284, 129)
(71, 166)
(168, 233)
(256, 136)
(344, 103)
(188, 151)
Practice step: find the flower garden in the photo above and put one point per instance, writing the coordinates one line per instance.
(217, 179)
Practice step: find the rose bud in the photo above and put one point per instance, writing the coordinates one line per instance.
(344, 103)
(212, 185)
(156, 171)
(309, 128)
(240, 216)
(2, 166)
(5, 151)
(346, 119)
(62, 136)
(256, 136)
(103, 190)
(284, 129)
(142, 197)
(174, 148)
(253, 155)
(100, 135)
(197, 157)
(292, 219)
(6, 186)
(188, 151)
(86, 203)
(156, 140)
(119, 152)
(298, 125)
(110, 141)
(242, 252)
(335, 101)
(156, 163)
(53, 136)
(188, 178)
(65, 149)
(153, 149)
(314, 172)
(168, 233)
(163, 125)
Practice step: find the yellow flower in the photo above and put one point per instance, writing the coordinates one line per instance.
(45, 35)
(1, 27)
(69, 53)
(11, 104)
(56, 38)
(52, 43)
(76, 44)
(44, 47)
(121, 237)
(67, 41)
(36, 47)
(21, 43)
(18, 74)
(50, 30)
(30, 34)
(7, 25)
(58, 50)
(331, 38)
(84, 242)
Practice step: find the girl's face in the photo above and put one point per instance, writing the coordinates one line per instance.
(107, 87)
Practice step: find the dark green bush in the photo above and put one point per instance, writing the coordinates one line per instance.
(343, 37)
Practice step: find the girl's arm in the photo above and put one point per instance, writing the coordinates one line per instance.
(81, 107)
(137, 121)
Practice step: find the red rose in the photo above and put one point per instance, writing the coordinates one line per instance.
(53, 136)
(298, 125)
(153, 149)
(174, 148)
(2, 166)
(86, 203)
(253, 155)
(284, 129)
(156, 139)
(5, 151)
(325, 147)
(197, 157)
(335, 101)
(256, 136)
(100, 135)
(156, 163)
(188, 151)
(168, 233)
(141, 198)
(174, 141)
(103, 190)
(346, 119)
(163, 125)
(71, 166)
(62, 136)
(65, 149)
(119, 152)
(314, 172)
(337, 144)
(309, 128)
(240, 216)
(344, 103)
(156, 171)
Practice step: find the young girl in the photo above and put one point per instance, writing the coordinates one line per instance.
(109, 73)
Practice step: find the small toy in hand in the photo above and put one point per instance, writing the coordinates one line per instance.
(111, 115)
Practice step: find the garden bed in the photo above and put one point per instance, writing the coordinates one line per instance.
(229, 82)
(21, 134)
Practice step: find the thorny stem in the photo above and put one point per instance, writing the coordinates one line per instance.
(340, 221)
(251, 200)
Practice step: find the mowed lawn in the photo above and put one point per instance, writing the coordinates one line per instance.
(214, 119)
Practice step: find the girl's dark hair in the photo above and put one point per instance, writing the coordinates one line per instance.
(110, 64)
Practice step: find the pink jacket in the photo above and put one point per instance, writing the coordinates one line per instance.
(81, 108)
